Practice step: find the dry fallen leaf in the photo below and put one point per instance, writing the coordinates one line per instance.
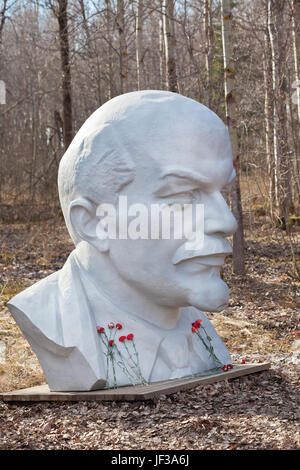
(260, 411)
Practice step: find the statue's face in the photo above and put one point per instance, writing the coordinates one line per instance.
(187, 169)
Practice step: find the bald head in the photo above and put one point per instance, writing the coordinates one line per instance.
(127, 131)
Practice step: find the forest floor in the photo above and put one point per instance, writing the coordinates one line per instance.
(261, 323)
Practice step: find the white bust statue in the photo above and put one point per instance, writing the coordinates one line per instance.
(154, 147)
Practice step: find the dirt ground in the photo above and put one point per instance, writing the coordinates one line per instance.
(261, 323)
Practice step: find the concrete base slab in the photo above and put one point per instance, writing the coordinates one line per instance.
(132, 393)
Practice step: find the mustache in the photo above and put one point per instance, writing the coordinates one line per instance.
(212, 246)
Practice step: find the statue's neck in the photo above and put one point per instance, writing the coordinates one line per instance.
(101, 271)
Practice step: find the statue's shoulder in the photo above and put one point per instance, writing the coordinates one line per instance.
(35, 309)
(37, 293)
(46, 313)
(41, 305)
(43, 295)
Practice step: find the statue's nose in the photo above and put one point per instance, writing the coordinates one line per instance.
(217, 216)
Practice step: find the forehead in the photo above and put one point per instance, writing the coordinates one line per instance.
(190, 152)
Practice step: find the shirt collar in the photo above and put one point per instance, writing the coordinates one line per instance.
(104, 310)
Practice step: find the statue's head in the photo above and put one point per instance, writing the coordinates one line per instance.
(153, 147)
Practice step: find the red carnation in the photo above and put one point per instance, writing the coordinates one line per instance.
(100, 329)
(194, 329)
(111, 342)
(229, 366)
(122, 338)
(130, 336)
(196, 324)
(224, 368)
(111, 325)
(243, 361)
(119, 326)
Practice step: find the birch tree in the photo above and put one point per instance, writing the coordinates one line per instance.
(296, 49)
(269, 111)
(2, 84)
(295, 98)
(231, 119)
(169, 36)
(274, 66)
(162, 59)
(3, 12)
(281, 151)
(209, 49)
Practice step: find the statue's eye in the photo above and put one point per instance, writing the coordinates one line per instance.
(186, 197)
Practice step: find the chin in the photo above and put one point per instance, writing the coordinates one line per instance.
(211, 297)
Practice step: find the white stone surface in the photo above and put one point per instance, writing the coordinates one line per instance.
(153, 147)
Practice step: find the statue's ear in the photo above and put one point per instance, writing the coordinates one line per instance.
(85, 223)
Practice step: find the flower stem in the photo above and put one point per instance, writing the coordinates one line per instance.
(112, 358)
(102, 335)
(130, 356)
(138, 365)
(210, 348)
(124, 367)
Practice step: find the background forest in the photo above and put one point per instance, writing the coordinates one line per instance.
(60, 60)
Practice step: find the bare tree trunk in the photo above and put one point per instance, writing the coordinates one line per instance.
(296, 48)
(162, 59)
(271, 30)
(209, 49)
(285, 196)
(296, 52)
(282, 160)
(122, 47)
(200, 78)
(139, 44)
(62, 17)
(111, 90)
(294, 127)
(91, 52)
(169, 35)
(2, 85)
(85, 25)
(2, 19)
(229, 70)
(269, 113)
